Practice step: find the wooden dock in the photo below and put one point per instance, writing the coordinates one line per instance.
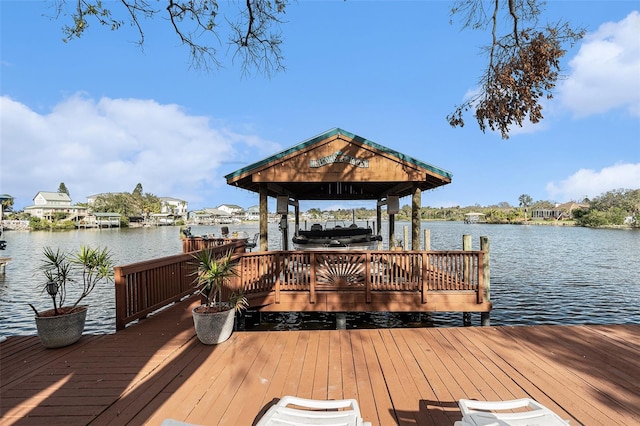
(157, 369)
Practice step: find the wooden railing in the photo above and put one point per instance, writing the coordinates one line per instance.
(198, 243)
(367, 271)
(145, 287)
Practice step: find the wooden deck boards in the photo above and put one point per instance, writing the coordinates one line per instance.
(157, 369)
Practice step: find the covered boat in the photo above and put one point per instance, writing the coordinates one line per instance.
(336, 237)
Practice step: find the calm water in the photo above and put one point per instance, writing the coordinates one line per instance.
(539, 275)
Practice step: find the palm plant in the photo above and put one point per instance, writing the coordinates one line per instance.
(89, 266)
(214, 274)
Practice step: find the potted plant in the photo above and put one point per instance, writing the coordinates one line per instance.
(64, 271)
(214, 319)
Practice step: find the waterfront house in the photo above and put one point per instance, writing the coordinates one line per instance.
(560, 211)
(209, 216)
(252, 213)
(174, 206)
(52, 205)
(474, 217)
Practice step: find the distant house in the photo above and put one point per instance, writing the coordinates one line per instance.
(560, 211)
(174, 206)
(252, 213)
(210, 216)
(232, 209)
(101, 220)
(52, 205)
(163, 218)
(474, 217)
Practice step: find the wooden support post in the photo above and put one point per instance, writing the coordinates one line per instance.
(121, 302)
(279, 260)
(3, 263)
(466, 319)
(485, 317)
(427, 240)
(425, 280)
(367, 275)
(392, 231)
(405, 235)
(264, 218)
(312, 280)
(284, 227)
(341, 321)
(415, 219)
(486, 269)
(379, 223)
(466, 273)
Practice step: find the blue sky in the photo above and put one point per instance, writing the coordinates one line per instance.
(102, 115)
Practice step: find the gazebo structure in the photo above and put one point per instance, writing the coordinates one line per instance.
(338, 165)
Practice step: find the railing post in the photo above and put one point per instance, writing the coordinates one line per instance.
(485, 317)
(466, 273)
(425, 271)
(121, 302)
(466, 246)
(278, 260)
(427, 240)
(405, 235)
(367, 276)
(312, 283)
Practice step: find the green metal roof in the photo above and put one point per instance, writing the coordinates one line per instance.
(328, 134)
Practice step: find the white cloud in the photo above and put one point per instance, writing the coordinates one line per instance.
(605, 74)
(111, 145)
(592, 183)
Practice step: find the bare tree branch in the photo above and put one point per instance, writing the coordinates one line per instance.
(195, 22)
(524, 66)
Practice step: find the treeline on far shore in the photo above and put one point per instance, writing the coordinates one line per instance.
(617, 208)
(614, 208)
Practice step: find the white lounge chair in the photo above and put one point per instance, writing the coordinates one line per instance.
(489, 413)
(291, 410)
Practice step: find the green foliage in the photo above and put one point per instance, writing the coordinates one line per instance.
(128, 205)
(63, 189)
(87, 267)
(37, 224)
(58, 216)
(612, 208)
(7, 202)
(523, 62)
(315, 213)
(593, 218)
(213, 276)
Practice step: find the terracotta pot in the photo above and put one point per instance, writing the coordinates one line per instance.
(213, 327)
(56, 331)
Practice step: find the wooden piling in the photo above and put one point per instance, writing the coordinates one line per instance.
(405, 243)
(427, 240)
(415, 219)
(485, 317)
(341, 321)
(3, 263)
(466, 273)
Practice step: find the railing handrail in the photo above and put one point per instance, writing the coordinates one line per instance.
(144, 287)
